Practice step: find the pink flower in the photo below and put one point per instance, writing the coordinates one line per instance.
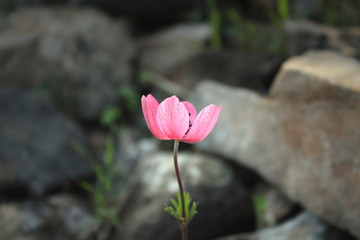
(172, 119)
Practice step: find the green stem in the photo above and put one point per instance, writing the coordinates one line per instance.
(182, 223)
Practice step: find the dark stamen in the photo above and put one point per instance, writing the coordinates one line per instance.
(190, 125)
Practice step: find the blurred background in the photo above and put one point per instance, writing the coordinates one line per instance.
(77, 161)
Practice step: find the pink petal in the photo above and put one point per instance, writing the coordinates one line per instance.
(203, 124)
(191, 109)
(149, 107)
(173, 118)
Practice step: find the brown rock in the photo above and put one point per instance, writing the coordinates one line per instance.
(310, 150)
(318, 75)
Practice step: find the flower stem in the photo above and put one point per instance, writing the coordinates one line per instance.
(182, 223)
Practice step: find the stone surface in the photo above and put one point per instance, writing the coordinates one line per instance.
(73, 215)
(309, 150)
(62, 217)
(318, 75)
(165, 50)
(78, 55)
(36, 152)
(224, 204)
(278, 207)
(304, 226)
(306, 35)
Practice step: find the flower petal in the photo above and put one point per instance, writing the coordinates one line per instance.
(191, 109)
(203, 124)
(149, 107)
(173, 118)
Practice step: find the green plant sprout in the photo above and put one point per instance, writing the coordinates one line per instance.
(105, 193)
(242, 30)
(260, 204)
(331, 12)
(176, 209)
(129, 95)
(216, 24)
(145, 76)
(283, 9)
(110, 116)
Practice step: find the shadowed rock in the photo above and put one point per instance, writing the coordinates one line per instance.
(36, 152)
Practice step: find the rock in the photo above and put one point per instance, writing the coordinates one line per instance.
(73, 215)
(278, 207)
(309, 150)
(209, 181)
(304, 226)
(165, 50)
(18, 222)
(132, 146)
(62, 217)
(78, 55)
(318, 75)
(36, 152)
(237, 68)
(306, 35)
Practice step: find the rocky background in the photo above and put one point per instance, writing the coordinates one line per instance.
(77, 161)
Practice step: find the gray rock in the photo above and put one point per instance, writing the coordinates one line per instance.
(310, 150)
(62, 217)
(304, 226)
(305, 35)
(73, 215)
(224, 204)
(318, 75)
(79, 55)
(278, 207)
(165, 50)
(36, 144)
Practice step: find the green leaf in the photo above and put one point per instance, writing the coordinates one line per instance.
(109, 153)
(176, 210)
(283, 9)
(130, 96)
(86, 186)
(110, 115)
(145, 76)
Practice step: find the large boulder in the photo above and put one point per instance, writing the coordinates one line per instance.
(225, 205)
(36, 152)
(78, 55)
(318, 75)
(309, 149)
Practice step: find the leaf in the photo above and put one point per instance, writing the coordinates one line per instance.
(176, 210)
(145, 76)
(86, 186)
(110, 115)
(109, 153)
